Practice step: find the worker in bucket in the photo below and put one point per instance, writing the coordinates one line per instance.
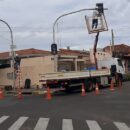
(95, 19)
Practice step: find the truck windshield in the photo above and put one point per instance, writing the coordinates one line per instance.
(120, 62)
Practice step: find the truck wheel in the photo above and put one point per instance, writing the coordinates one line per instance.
(68, 89)
(89, 86)
(118, 78)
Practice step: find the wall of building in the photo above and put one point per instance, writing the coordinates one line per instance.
(31, 68)
(5, 77)
(100, 55)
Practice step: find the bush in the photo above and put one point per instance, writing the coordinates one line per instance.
(127, 77)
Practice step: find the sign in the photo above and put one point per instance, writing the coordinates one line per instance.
(12, 46)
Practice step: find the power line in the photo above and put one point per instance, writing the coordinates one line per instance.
(42, 29)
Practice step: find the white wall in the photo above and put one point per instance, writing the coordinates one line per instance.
(100, 55)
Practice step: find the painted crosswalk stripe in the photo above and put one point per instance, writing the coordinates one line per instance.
(3, 118)
(93, 125)
(67, 124)
(18, 123)
(42, 124)
(121, 126)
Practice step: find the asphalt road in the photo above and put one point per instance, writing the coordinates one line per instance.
(106, 111)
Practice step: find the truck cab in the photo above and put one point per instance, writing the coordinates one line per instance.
(120, 66)
(116, 65)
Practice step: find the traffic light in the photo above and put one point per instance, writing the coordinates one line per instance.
(17, 60)
(54, 49)
(100, 8)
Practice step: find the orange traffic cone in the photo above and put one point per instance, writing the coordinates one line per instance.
(83, 90)
(112, 86)
(19, 96)
(48, 94)
(97, 89)
(1, 94)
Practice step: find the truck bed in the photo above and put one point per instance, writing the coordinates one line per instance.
(74, 75)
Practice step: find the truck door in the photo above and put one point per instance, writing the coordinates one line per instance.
(120, 67)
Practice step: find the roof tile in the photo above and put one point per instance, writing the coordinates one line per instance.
(31, 51)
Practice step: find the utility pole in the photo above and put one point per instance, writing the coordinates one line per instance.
(113, 49)
(110, 47)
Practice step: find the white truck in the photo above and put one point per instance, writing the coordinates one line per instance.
(69, 81)
(111, 62)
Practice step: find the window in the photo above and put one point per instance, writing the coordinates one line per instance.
(120, 62)
(4, 64)
(128, 65)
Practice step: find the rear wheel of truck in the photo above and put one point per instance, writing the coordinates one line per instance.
(68, 89)
(89, 86)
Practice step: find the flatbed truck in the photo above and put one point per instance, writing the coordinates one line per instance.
(69, 81)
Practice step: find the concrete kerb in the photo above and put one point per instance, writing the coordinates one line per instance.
(40, 92)
(28, 92)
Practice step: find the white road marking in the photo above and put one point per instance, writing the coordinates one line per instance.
(3, 118)
(42, 124)
(67, 124)
(18, 123)
(93, 125)
(121, 126)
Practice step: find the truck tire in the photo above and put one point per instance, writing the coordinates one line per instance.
(89, 86)
(68, 89)
(118, 78)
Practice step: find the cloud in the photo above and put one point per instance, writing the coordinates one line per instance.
(22, 34)
(32, 22)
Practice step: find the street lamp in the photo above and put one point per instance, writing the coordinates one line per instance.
(63, 15)
(12, 49)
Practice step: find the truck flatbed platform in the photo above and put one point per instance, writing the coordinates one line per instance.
(74, 75)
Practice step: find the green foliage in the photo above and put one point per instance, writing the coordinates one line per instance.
(127, 77)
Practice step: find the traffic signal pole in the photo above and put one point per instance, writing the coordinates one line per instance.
(54, 42)
(54, 24)
(63, 15)
(12, 51)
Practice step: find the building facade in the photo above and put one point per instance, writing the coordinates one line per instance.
(122, 51)
(36, 62)
(100, 55)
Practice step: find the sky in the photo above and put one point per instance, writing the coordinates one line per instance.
(32, 23)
